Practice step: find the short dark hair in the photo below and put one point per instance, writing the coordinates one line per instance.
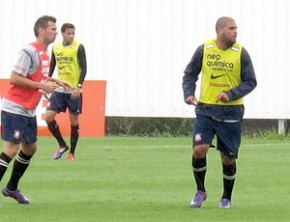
(222, 22)
(42, 22)
(67, 26)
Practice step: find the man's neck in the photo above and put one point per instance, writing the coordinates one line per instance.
(42, 43)
(221, 44)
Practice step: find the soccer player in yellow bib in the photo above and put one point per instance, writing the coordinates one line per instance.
(70, 58)
(227, 76)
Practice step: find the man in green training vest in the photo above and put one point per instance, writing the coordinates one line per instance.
(227, 76)
(70, 58)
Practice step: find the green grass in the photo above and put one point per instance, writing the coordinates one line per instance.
(149, 179)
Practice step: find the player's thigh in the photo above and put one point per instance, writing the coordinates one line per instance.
(12, 127)
(17, 128)
(57, 102)
(30, 133)
(229, 138)
(75, 105)
(203, 130)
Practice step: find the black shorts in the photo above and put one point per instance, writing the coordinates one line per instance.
(60, 102)
(16, 128)
(228, 134)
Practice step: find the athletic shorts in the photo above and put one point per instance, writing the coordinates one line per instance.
(228, 134)
(16, 128)
(60, 102)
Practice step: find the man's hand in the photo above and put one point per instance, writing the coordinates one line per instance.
(223, 97)
(191, 100)
(48, 86)
(62, 83)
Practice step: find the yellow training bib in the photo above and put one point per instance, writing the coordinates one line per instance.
(221, 71)
(67, 62)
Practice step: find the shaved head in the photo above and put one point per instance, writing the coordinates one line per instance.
(222, 22)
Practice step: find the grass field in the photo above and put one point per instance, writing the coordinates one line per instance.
(149, 179)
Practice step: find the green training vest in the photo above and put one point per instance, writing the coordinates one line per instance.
(67, 62)
(221, 71)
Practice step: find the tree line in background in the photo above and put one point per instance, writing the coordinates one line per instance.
(177, 127)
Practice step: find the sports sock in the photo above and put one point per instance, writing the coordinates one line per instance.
(74, 136)
(199, 167)
(229, 175)
(20, 165)
(54, 129)
(4, 162)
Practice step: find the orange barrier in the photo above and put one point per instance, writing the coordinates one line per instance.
(92, 119)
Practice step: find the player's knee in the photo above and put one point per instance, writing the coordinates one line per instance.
(11, 150)
(49, 116)
(30, 149)
(48, 119)
(200, 151)
(228, 160)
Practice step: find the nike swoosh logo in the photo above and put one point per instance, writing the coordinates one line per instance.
(62, 67)
(212, 76)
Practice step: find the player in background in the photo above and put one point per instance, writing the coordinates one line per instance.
(18, 111)
(70, 58)
(227, 76)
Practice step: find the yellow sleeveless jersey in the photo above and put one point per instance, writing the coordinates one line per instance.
(221, 71)
(67, 62)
